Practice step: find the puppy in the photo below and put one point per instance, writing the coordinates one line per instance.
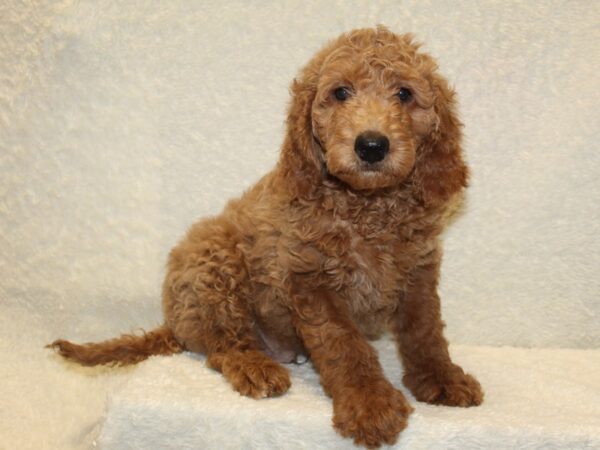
(340, 242)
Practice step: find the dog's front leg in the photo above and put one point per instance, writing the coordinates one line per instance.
(428, 371)
(366, 405)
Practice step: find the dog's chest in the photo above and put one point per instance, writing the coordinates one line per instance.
(368, 264)
(377, 264)
(368, 259)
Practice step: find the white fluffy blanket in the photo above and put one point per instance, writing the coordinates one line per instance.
(535, 399)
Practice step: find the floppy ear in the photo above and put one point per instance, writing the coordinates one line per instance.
(440, 171)
(300, 161)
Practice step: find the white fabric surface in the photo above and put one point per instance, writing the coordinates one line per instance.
(535, 399)
(123, 122)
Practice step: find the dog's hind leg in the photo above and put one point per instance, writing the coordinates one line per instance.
(225, 332)
(205, 297)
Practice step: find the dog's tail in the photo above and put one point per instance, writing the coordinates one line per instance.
(121, 351)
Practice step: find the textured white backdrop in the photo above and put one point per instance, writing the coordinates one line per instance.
(123, 122)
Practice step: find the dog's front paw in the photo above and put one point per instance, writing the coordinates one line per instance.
(372, 415)
(450, 387)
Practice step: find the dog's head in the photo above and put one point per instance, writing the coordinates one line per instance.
(371, 110)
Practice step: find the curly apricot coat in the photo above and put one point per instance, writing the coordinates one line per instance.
(334, 246)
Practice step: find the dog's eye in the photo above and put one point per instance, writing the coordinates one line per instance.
(404, 95)
(341, 94)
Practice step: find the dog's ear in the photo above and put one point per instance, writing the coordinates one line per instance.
(300, 162)
(440, 171)
(299, 120)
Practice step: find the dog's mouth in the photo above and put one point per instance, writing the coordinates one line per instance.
(363, 170)
(371, 167)
(364, 177)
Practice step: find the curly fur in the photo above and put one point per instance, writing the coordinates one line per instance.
(326, 251)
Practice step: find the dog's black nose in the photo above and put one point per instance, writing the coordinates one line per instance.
(371, 146)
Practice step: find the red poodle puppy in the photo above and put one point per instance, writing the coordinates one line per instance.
(340, 242)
